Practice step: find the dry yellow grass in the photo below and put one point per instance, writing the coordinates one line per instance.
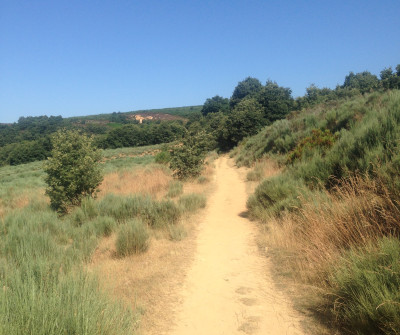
(152, 181)
(262, 169)
(20, 201)
(312, 239)
(268, 167)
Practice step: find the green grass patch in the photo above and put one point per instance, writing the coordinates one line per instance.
(45, 289)
(153, 213)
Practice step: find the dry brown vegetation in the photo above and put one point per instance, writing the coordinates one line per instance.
(151, 181)
(20, 201)
(361, 210)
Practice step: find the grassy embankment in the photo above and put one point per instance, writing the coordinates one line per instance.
(45, 287)
(332, 214)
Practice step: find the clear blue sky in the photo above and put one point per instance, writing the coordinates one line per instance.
(80, 57)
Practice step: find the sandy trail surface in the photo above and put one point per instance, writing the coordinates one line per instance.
(228, 288)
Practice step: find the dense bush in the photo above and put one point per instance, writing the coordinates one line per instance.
(333, 213)
(187, 158)
(322, 140)
(274, 195)
(73, 170)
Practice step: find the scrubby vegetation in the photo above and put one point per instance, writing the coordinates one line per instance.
(333, 213)
(45, 285)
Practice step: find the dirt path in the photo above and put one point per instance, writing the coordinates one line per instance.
(228, 289)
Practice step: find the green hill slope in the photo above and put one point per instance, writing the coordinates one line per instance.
(333, 212)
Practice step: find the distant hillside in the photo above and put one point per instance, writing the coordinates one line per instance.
(29, 139)
(118, 116)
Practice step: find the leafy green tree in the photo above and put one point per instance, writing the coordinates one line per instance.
(246, 119)
(187, 159)
(363, 81)
(246, 88)
(390, 79)
(316, 95)
(276, 100)
(215, 104)
(73, 170)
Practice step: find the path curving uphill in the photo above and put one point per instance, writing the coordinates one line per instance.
(228, 289)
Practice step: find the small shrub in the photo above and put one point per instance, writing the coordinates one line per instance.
(163, 157)
(132, 238)
(105, 225)
(188, 158)
(321, 139)
(175, 188)
(176, 232)
(165, 213)
(274, 195)
(192, 202)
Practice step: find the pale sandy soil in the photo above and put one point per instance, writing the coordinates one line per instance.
(228, 289)
(215, 281)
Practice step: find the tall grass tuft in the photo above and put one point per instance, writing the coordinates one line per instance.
(104, 225)
(365, 288)
(175, 189)
(132, 238)
(71, 305)
(192, 202)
